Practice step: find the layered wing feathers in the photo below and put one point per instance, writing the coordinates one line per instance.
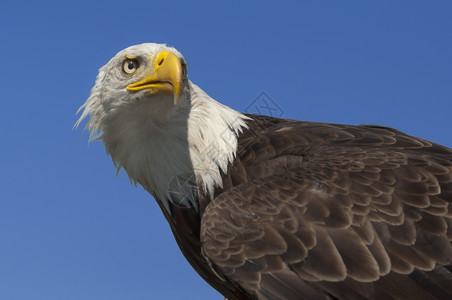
(322, 211)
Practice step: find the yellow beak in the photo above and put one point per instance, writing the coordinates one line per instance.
(167, 76)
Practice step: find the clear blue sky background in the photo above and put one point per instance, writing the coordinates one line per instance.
(69, 229)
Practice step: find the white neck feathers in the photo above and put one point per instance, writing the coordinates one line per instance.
(172, 158)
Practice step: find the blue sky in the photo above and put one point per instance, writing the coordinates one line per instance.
(70, 229)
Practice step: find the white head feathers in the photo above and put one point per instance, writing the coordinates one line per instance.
(169, 149)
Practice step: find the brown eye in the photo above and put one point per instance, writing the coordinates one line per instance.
(129, 66)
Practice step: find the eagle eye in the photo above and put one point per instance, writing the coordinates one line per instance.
(129, 66)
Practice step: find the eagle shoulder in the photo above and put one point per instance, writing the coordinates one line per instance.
(321, 210)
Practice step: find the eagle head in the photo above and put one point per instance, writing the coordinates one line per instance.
(149, 77)
(159, 126)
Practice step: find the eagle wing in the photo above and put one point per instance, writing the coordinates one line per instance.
(322, 211)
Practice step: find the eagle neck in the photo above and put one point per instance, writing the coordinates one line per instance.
(181, 158)
(213, 131)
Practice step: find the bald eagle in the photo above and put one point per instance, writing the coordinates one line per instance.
(269, 208)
